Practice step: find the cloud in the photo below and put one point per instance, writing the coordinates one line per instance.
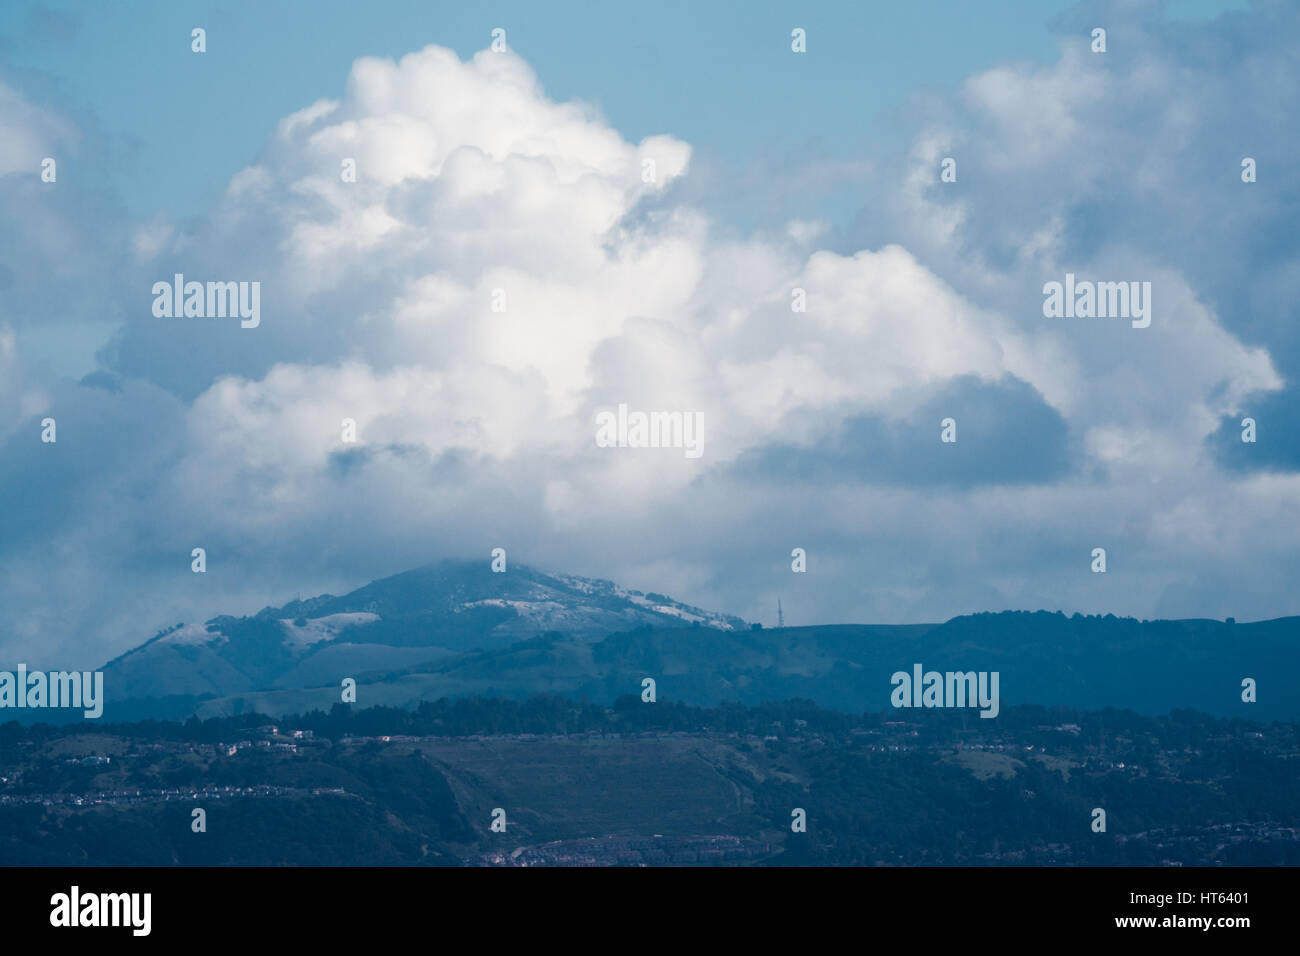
(1006, 434)
(1127, 165)
(821, 427)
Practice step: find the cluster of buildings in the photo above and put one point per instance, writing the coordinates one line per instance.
(633, 851)
(189, 794)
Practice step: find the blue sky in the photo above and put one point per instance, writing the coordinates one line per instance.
(718, 75)
(524, 173)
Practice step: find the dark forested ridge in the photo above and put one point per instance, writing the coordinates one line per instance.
(461, 715)
(650, 783)
(452, 630)
(1150, 667)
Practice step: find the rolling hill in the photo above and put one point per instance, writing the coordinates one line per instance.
(458, 630)
(419, 616)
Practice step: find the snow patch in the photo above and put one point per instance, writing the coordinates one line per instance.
(585, 585)
(193, 635)
(325, 628)
(527, 608)
(670, 611)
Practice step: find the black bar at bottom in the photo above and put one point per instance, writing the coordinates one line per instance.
(331, 906)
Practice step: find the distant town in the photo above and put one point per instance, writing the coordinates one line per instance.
(636, 784)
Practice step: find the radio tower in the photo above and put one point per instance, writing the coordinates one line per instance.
(780, 615)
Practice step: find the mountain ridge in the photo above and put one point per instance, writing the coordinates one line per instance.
(414, 616)
(455, 629)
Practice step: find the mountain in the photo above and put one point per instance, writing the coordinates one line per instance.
(1088, 663)
(420, 616)
(458, 630)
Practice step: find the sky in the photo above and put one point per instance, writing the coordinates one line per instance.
(525, 171)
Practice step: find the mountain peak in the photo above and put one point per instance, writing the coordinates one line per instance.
(417, 616)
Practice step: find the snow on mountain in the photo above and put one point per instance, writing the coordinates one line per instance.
(430, 612)
(314, 630)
